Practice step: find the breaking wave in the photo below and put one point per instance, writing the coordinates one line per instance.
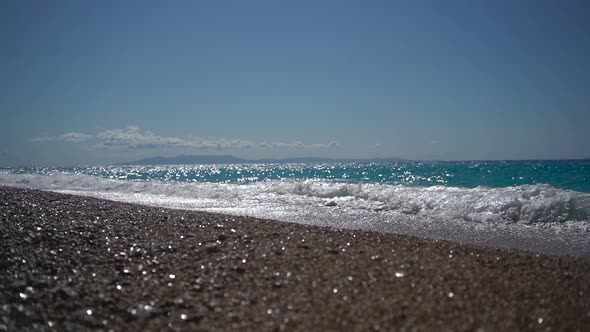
(539, 204)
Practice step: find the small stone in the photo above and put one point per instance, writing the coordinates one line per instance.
(212, 247)
(19, 284)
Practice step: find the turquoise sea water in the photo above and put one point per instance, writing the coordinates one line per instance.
(563, 174)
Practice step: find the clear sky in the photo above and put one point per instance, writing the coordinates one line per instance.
(93, 82)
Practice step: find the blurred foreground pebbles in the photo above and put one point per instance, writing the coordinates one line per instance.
(70, 263)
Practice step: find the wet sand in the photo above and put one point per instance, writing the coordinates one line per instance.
(71, 263)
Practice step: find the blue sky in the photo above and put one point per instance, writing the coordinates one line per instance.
(95, 82)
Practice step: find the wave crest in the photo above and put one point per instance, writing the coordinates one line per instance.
(539, 204)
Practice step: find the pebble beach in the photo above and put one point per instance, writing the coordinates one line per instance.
(73, 263)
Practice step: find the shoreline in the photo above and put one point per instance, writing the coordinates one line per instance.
(538, 218)
(73, 262)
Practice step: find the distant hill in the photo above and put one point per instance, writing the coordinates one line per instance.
(227, 159)
(187, 160)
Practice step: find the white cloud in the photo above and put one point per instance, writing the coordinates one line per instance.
(332, 144)
(72, 137)
(133, 137)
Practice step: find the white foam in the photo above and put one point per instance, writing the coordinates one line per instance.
(526, 204)
(461, 214)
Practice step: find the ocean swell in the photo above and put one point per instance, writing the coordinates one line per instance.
(540, 204)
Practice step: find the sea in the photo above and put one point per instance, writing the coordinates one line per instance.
(537, 206)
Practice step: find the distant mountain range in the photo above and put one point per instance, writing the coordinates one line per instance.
(227, 159)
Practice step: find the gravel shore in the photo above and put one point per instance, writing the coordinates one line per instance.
(71, 263)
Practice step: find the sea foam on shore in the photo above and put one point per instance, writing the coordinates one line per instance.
(531, 217)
